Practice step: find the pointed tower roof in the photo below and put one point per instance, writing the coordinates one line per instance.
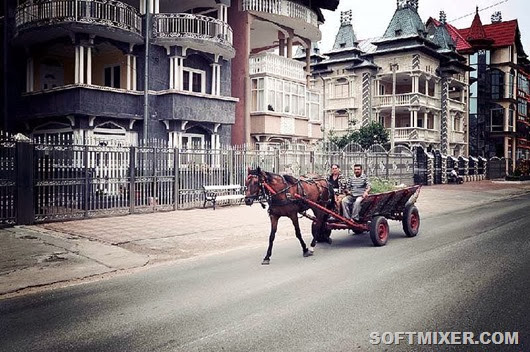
(406, 21)
(476, 32)
(439, 34)
(345, 38)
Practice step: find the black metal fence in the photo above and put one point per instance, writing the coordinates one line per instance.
(44, 181)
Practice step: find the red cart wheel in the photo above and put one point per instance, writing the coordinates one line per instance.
(411, 221)
(379, 231)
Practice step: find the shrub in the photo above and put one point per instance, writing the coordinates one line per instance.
(380, 185)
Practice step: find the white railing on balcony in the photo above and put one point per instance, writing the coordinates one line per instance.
(457, 105)
(416, 134)
(340, 103)
(110, 13)
(272, 64)
(407, 99)
(283, 8)
(184, 25)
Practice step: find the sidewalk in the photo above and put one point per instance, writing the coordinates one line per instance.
(56, 254)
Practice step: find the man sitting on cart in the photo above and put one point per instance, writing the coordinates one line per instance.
(356, 189)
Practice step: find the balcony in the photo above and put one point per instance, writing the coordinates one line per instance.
(38, 22)
(287, 13)
(275, 65)
(192, 106)
(407, 100)
(457, 137)
(340, 103)
(457, 105)
(198, 32)
(83, 100)
(409, 134)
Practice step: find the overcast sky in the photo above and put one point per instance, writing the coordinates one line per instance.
(371, 17)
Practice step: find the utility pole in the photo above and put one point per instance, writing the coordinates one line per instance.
(393, 67)
(146, 72)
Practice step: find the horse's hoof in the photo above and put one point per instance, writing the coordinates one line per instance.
(308, 253)
(311, 249)
(329, 240)
(265, 262)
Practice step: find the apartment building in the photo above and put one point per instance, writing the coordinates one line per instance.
(77, 70)
(499, 119)
(275, 103)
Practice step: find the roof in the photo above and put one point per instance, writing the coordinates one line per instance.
(405, 22)
(345, 37)
(502, 33)
(459, 40)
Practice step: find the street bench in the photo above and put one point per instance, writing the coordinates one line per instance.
(217, 193)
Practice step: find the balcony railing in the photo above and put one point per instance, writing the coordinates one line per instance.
(109, 13)
(283, 8)
(183, 25)
(340, 103)
(408, 99)
(272, 64)
(416, 134)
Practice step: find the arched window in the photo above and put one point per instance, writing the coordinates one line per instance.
(497, 84)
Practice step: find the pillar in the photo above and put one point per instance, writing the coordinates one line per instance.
(240, 21)
(30, 75)
(89, 65)
(290, 46)
(216, 79)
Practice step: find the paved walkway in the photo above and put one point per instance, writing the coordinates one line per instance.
(55, 254)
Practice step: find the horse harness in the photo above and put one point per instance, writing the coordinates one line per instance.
(269, 193)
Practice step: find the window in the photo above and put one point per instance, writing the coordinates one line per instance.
(341, 121)
(497, 84)
(497, 120)
(342, 90)
(258, 99)
(313, 106)
(522, 108)
(193, 80)
(112, 75)
(381, 89)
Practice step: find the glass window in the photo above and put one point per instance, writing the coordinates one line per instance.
(193, 80)
(112, 76)
(497, 84)
(497, 120)
(257, 93)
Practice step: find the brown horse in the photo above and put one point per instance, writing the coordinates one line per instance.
(283, 194)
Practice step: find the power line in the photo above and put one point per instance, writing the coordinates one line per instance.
(480, 10)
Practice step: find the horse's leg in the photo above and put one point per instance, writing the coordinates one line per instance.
(274, 227)
(305, 251)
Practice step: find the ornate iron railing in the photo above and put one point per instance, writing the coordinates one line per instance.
(184, 25)
(109, 13)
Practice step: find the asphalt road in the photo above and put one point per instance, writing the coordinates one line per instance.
(465, 272)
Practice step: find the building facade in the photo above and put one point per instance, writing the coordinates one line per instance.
(275, 103)
(77, 70)
(499, 120)
(420, 90)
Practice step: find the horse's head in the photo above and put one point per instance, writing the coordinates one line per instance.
(254, 185)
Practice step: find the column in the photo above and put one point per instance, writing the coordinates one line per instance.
(133, 72)
(30, 75)
(180, 76)
(281, 43)
(308, 63)
(156, 4)
(81, 64)
(427, 86)
(411, 118)
(76, 66)
(171, 73)
(89, 65)
(216, 79)
(415, 116)
(426, 119)
(290, 46)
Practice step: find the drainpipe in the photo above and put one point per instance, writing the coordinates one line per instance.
(146, 73)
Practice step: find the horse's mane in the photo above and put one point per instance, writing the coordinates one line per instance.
(290, 179)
